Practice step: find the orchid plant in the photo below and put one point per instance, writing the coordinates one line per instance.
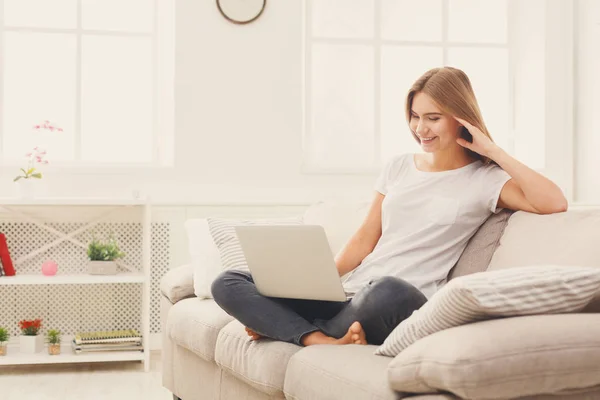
(37, 155)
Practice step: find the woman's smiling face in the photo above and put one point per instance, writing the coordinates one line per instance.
(434, 129)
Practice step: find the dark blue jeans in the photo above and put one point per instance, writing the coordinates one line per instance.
(379, 307)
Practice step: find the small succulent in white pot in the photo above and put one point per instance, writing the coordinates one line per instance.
(102, 255)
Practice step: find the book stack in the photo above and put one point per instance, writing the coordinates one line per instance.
(6, 265)
(124, 340)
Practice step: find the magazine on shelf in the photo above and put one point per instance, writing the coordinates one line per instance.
(92, 348)
(106, 337)
(106, 345)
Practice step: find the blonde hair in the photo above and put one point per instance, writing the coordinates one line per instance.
(450, 88)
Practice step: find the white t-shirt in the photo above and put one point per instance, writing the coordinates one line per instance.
(427, 219)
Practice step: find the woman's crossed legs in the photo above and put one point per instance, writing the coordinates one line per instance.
(368, 317)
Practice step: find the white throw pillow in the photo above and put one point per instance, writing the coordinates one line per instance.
(205, 257)
(504, 293)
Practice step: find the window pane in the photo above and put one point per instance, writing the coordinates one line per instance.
(477, 21)
(39, 84)
(400, 67)
(60, 14)
(118, 15)
(341, 105)
(116, 112)
(488, 71)
(342, 18)
(411, 20)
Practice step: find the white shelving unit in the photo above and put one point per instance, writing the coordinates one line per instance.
(75, 279)
(14, 205)
(67, 356)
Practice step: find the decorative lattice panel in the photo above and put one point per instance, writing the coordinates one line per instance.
(73, 308)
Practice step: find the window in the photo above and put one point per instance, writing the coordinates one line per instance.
(101, 70)
(362, 56)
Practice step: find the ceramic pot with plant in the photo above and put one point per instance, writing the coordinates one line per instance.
(29, 174)
(4, 336)
(102, 255)
(25, 181)
(53, 337)
(31, 341)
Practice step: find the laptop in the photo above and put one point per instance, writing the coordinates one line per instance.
(291, 261)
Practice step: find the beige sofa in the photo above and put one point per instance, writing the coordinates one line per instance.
(207, 355)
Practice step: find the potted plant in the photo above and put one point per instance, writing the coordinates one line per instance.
(53, 337)
(25, 180)
(4, 335)
(102, 255)
(30, 341)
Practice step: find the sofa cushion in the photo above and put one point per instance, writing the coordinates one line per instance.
(504, 358)
(340, 372)
(261, 364)
(195, 324)
(505, 293)
(569, 238)
(481, 247)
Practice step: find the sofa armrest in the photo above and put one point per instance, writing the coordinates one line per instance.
(178, 283)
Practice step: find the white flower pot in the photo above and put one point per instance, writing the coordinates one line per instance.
(26, 188)
(102, 268)
(31, 344)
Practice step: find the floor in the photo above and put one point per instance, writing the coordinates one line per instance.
(96, 381)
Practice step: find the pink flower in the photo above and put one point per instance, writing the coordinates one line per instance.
(45, 162)
(47, 125)
(28, 154)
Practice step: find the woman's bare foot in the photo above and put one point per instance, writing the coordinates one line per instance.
(355, 335)
(253, 335)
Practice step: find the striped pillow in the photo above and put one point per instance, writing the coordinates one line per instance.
(226, 240)
(503, 293)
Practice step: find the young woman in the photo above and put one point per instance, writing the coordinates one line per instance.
(426, 207)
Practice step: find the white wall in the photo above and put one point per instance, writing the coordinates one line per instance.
(238, 118)
(587, 103)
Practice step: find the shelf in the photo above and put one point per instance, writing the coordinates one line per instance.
(15, 357)
(75, 279)
(71, 201)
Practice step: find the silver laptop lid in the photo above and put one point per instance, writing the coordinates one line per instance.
(291, 261)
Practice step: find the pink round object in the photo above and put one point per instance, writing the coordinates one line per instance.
(49, 268)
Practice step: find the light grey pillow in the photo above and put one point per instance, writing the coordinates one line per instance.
(223, 233)
(513, 292)
(481, 247)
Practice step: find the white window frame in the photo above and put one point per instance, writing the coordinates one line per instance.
(559, 80)
(163, 71)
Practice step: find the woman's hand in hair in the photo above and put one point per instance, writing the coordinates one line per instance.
(481, 143)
